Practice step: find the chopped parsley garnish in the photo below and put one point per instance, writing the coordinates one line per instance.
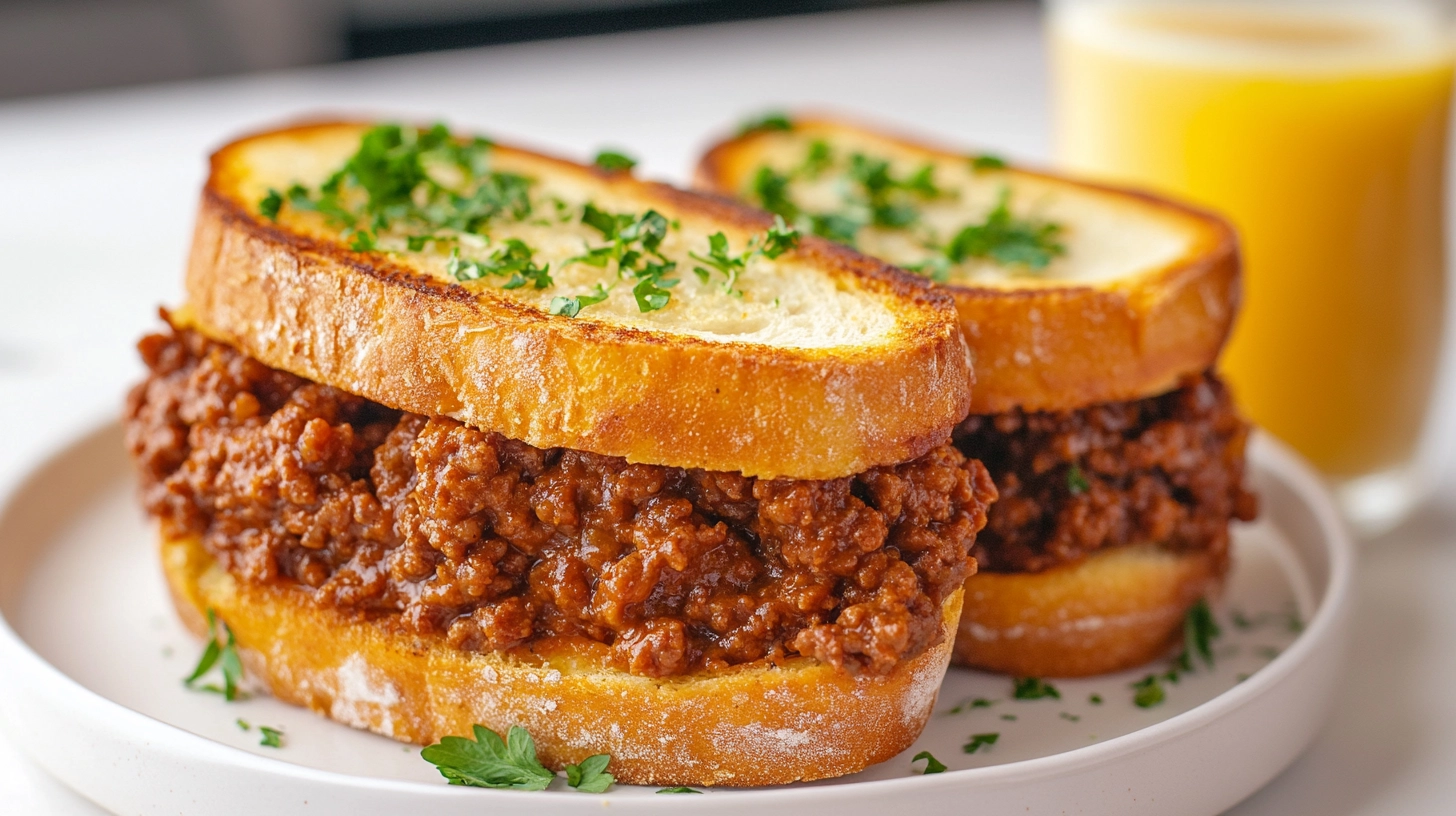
(271, 204)
(1007, 240)
(614, 161)
(1293, 622)
(363, 241)
(489, 762)
(633, 246)
(425, 187)
(1199, 632)
(987, 161)
(409, 179)
(967, 705)
(771, 243)
(1148, 692)
(878, 186)
(771, 189)
(818, 159)
(1095, 699)
(773, 120)
(572, 306)
(244, 724)
(932, 765)
(221, 652)
(590, 776)
(979, 741)
(272, 737)
(679, 789)
(1009, 717)
(514, 258)
(1069, 717)
(873, 195)
(1034, 688)
(1077, 483)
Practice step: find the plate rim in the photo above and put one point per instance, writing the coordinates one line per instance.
(1266, 453)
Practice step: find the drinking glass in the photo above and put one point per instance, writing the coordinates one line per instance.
(1320, 130)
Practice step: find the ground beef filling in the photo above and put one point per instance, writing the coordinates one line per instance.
(440, 528)
(1166, 470)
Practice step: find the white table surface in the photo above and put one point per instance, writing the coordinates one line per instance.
(97, 194)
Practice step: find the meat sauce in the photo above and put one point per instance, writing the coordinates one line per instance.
(1166, 470)
(492, 544)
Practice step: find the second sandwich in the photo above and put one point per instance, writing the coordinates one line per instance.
(1094, 317)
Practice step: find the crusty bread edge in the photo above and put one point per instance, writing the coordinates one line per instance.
(749, 726)
(366, 324)
(1116, 610)
(1055, 348)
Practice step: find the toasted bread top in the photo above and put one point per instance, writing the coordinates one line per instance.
(1070, 293)
(801, 360)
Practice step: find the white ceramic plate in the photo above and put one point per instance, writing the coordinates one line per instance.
(91, 660)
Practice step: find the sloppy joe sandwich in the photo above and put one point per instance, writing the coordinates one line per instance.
(1094, 317)
(449, 433)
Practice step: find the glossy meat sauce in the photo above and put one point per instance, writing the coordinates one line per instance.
(439, 528)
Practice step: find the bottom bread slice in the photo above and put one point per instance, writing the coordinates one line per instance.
(757, 724)
(1117, 609)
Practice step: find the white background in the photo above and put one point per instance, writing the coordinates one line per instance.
(97, 194)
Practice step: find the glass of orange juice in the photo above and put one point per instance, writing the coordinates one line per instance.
(1320, 130)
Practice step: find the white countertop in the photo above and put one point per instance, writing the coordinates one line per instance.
(97, 193)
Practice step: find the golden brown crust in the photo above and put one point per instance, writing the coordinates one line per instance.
(1054, 348)
(752, 725)
(369, 324)
(1118, 609)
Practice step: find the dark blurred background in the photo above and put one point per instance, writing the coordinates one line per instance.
(53, 46)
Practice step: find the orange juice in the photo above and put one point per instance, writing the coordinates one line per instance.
(1321, 133)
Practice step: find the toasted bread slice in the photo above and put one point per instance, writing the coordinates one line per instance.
(1143, 292)
(757, 724)
(824, 363)
(1119, 608)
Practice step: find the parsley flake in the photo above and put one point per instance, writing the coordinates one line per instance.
(221, 652)
(932, 765)
(772, 120)
(514, 258)
(1293, 622)
(1095, 699)
(1148, 692)
(271, 204)
(1009, 717)
(967, 705)
(987, 161)
(771, 243)
(1034, 688)
(614, 161)
(1199, 632)
(412, 181)
(634, 247)
(979, 741)
(679, 789)
(1077, 482)
(1007, 240)
(272, 737)
(590, 776)
(572, 306)
(489, 762)
(817, 160)
(771, 190)
(1069, 717)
